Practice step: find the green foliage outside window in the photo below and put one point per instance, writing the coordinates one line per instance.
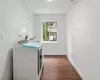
(45, 31)
(49, 31)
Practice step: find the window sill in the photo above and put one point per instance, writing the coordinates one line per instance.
(49, 41)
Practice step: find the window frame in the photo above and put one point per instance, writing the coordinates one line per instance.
(42, 31)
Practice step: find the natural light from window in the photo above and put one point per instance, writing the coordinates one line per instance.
(49, 31)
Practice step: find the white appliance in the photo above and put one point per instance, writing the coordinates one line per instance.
(27, 61)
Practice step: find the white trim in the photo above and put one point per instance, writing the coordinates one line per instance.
(42, 32)
(49, 42)
(50, 14)
(77, 69)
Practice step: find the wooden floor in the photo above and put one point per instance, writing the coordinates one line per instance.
(58, 68)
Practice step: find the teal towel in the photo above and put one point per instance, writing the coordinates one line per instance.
(31, 45)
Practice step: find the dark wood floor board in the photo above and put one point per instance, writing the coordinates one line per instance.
(58, 68)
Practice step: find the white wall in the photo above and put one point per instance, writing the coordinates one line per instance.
(83, 24)
(52, 48)
(13, 18)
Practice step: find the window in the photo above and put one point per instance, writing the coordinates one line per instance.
(49, 31)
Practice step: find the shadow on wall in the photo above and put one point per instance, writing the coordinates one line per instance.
(8, 71)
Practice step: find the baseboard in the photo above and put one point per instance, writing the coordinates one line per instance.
(55, 56)
(77, 69)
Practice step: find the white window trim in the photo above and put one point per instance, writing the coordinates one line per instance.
(42, 31)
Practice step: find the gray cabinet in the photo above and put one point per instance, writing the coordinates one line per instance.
(27, 62)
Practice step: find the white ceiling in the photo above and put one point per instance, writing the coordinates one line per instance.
(45, 7)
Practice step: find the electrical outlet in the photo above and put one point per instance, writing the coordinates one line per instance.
(2, 38)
